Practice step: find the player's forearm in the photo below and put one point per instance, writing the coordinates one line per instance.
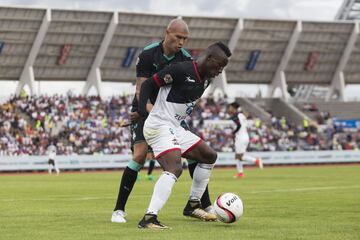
(139, 82)
(147, 88)
(149, 106)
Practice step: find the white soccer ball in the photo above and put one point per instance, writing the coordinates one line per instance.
(228, 207)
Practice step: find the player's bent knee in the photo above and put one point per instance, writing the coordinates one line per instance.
(177, 171)
(139, 158)
(211, 157)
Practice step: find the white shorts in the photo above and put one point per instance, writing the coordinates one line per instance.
(164, 138)
(241, 144)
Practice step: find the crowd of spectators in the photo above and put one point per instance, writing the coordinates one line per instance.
(90, 125)
(277, 135)
(81, 125)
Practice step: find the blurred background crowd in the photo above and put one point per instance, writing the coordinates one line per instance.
(90, 125)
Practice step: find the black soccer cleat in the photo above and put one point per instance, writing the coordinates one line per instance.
(194, 209)
(150, 221)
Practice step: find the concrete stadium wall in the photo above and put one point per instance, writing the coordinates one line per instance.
(255, 110)
(280, 108)
(79, 162)
(340, 110)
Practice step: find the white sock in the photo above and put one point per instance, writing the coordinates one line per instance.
(248, 158)
(162, 191)
(201, 177)
(239, 166)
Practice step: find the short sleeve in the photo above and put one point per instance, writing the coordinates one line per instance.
(143, 66)
(172, 74)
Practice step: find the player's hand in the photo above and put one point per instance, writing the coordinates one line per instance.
(184, 125)
(149, 107)
(134, 116)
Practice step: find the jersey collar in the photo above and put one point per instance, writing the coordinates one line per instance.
(197, 71)
(163, 54)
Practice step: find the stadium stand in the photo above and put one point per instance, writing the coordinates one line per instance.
(339, 110)
(89, 125)
(95, 47)
(82, 125)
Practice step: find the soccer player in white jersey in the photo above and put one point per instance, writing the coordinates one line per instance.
(180, 85)
(51, 151)
(241, 140)
(152, 59)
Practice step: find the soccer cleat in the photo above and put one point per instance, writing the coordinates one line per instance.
(118, 216)
(210, 209)
(193, 209)
(259, 163)
(150, 221)
(239, 175)
(150, 177)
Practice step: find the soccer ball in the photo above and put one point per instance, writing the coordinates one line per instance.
(228, 207)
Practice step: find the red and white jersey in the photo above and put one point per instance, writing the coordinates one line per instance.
(180, 88)
(243, 129)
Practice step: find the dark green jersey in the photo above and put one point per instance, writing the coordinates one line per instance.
(151, 60)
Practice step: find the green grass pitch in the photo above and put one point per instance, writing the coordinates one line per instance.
(321, 202)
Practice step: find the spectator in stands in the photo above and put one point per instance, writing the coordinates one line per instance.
(90, 125)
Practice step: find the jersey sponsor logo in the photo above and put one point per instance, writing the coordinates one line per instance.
(168, 79)
(175, 142)
(190, 107)
(189, 110)
(179, 117)
(188, 79)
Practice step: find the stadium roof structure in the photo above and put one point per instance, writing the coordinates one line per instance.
(94, 46)
(349, 10)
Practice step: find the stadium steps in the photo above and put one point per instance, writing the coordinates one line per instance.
(254, 109)
(279, 108)
(302, 107)
(340, 110)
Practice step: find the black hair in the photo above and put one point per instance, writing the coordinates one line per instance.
(224, 48)
(234, 105)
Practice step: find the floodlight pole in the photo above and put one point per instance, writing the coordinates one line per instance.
(221, 82)
(338, 80)
(27, 75)
(279, 80)
(94, 75)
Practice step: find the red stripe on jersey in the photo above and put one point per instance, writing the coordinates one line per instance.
(156, 80)
(166, 151)
(197, 71)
